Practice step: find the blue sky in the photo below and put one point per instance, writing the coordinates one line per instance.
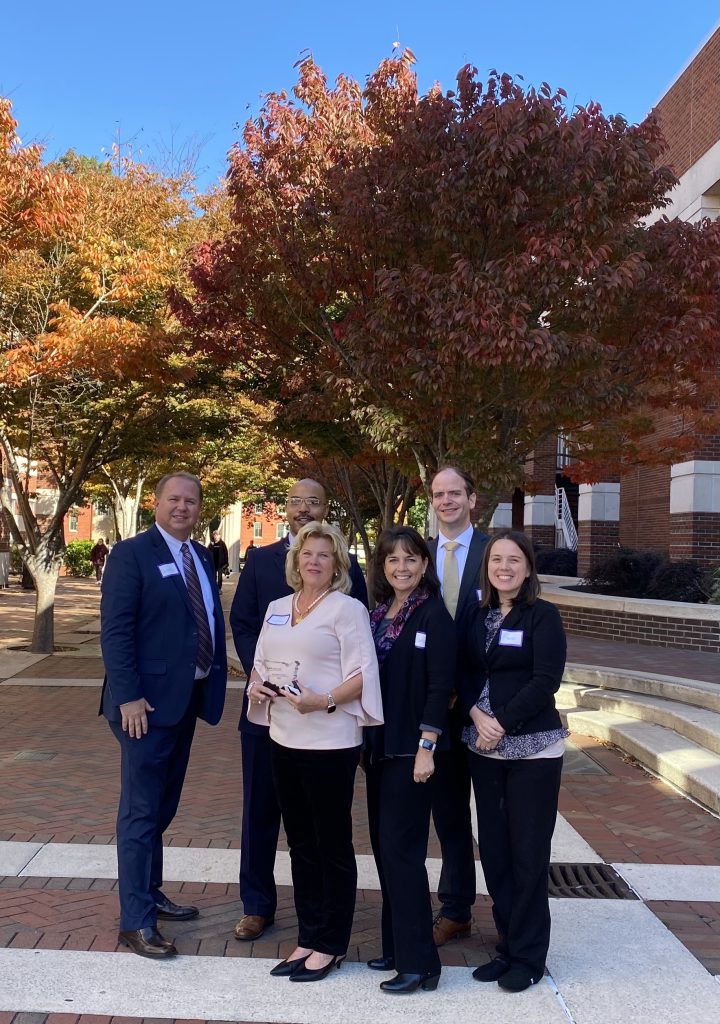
(158, 74)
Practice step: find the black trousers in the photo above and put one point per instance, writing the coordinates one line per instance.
(517, 807)
(453, 824)
(399, 821)
(152, 772)
(260, 826)
(315, 793)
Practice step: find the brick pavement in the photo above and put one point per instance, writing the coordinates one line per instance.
(60, 782)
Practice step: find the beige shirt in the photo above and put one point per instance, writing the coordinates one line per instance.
(331, 645)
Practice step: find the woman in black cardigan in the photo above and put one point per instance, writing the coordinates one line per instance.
(515, 748)
(415, 643)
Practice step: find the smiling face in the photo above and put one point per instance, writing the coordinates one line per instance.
(451, 502)
(316, 563)
(177, 507)
(306, 503)
(403, 570)
(508, 568)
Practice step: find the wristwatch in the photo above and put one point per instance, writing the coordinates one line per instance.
(427, 745)
(331, 704)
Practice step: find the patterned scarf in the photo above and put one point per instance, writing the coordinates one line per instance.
(384, 645)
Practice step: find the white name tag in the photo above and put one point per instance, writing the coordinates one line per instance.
(420, 639)
(168, 569)
(479, 594)
(278, 620)
(511, 638)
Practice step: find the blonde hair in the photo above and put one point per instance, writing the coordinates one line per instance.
(341, 557)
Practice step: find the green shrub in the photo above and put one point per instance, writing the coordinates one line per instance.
(680, 581)
(16, 562)
(714, 586)
(77, 558)
(626, 573)
(556, 561)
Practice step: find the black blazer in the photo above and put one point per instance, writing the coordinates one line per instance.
(524, 678)
(262, 581)
(416, 682)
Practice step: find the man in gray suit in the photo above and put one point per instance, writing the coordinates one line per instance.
(457, 552)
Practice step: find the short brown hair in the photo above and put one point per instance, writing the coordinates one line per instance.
(341, 557)
(529, 591)
(160, 485)
(465, 477)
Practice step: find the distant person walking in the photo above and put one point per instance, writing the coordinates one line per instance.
(218, 549)
(98, 554)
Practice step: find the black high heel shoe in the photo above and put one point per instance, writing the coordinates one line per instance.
(288, 967)
(403, 984)
(308, 974)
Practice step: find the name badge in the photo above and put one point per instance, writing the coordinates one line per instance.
(479, 595)
(420, 639)
(168, 569)
(511, 638)
(278, 620)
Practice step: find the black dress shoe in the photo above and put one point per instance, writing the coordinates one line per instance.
(148, 942)
(309, 974)
(403, 984)
(169, 911)
(288, 967)
(382, 963)
(491, 971)
(517, 979)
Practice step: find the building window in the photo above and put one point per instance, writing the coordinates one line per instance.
(280, 530)
(257, 529)
(259, 508)
(73, 522)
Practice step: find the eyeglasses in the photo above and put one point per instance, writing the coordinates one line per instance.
(310, 502)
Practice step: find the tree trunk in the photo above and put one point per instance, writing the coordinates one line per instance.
(44, 569)
(126, 509)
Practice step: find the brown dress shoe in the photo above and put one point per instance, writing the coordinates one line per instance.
(252, 926)
(148, 942)
(444, 929)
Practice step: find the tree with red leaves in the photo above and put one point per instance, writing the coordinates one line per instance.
(468, 271)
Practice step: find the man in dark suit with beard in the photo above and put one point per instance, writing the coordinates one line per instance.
(457, 552)
(163, 645)
(262, 581)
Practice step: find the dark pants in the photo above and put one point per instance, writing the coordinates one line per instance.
(399, 820)
(260, 827)
(453, 824)
(315, 792)
(152, 772)
(517, 807)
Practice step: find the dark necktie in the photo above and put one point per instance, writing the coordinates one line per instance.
(205, 646)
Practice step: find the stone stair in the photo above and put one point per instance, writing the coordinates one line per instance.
(670, 725)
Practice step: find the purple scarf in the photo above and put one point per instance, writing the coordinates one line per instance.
(384, 645)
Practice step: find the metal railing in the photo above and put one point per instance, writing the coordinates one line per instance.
(565, 532)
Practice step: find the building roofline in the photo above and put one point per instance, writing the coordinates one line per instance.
(686, 65)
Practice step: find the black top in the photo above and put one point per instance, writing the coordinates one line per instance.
(416, 680)
(524, 665)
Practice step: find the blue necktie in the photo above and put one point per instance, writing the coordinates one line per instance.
(205, 646)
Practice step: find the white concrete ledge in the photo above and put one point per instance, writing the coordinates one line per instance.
(708, 613)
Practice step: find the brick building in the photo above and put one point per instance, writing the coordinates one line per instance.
(674, 509)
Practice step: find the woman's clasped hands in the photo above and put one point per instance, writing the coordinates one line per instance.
(490, 732)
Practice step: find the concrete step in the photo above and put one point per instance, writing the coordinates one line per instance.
(687, 765)
(687, 691)
(695, 723)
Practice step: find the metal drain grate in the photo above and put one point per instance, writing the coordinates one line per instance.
(588, 882)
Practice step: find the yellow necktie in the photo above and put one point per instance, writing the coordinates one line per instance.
(451, 577)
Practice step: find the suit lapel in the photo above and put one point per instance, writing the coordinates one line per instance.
(471, 572)
(164, 555)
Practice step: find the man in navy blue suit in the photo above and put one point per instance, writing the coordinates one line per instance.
(458, 553)
(262, 581)
(163, 644)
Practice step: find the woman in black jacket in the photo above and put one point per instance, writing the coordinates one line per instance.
(515, 748)
(415, 643)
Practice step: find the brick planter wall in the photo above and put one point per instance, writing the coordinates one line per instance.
(690, 627)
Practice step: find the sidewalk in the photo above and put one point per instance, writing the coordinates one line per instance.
(612, 961)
